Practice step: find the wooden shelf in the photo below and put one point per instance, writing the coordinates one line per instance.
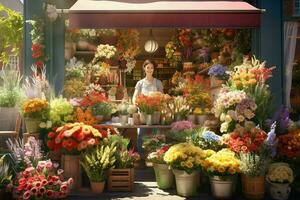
(81, 53)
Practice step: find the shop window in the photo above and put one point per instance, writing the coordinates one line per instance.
(296, 7)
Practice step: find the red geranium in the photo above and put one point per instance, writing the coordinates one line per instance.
(289, 145)
(247, 141)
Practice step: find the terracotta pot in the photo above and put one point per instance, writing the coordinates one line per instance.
(253, 187)
(97, 187)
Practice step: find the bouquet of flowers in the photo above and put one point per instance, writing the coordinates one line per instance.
(280, 173)
(42, 182)
(222, 163)
(158, 155)
(201, 100)
(25, 155)
(218, 71)
(61, 111)
(127, 158)
(179, 107)
(85, 116)
(93, 98)
(206, 139)
(75, 137)
(105, 51)
(289, 145)
(173, 54)
(35, 108)
(148, 104)
(254, 146)
(103, 108)
(185, 38)
(185, 156)
(98, 161)
(181, 131)
(74, 69)
(152, 142)
(93, 88)
(233, 107)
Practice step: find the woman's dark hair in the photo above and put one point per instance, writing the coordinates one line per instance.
(147, 62)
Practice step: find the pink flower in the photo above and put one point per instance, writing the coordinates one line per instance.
(26, 195)
(60, 172)
(42, 190)
(38, 184)
(91, 141)
(50, 193)
(44, 182)
(49, 165)
(70, 181)
(33, 190)
(63, 188)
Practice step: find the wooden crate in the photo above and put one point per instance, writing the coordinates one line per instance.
(121, 180)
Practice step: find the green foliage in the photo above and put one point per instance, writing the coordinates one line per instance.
(263, 99)
(10, 93)
(103, 108)
(61, 111)
(5, 176)
(11, 32)
(98, 161)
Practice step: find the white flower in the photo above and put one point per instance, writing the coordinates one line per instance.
(43, 125)
(228, 119)
(224, 127)
(51, 12)
(49, 124)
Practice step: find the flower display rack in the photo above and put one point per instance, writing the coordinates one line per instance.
(121, 179)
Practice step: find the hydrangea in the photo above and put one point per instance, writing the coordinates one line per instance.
(210, 136)
(218, 70)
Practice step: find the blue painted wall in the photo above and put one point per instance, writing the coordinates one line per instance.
(267, 44)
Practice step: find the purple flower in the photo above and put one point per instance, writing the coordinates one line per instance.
(271, 139)
(217, 70)
(281, 117)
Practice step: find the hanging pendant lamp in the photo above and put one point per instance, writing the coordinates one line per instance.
(151, 44)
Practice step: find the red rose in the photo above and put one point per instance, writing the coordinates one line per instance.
(36, 47)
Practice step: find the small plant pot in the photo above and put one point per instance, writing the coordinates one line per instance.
(186, 184)
(32, 125)
(100, 118)
(97, 187)
(222, 187)
(164, 176)
(149, 120)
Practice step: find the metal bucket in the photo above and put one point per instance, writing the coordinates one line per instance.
(186, 184)
(222, 187)
(164, 176)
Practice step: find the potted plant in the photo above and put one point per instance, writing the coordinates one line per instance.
(10, 95)
(34, 111)
(206, 139)
(279, 177)
(71, 139)
(121, 178)
(185, 160)
(163, 174)
(147, 106)
(255, 148)
(5, 178)
(61, 111)
(218, 74)
(122, 110)
(222, 168)
(102, 111)
(96, 164)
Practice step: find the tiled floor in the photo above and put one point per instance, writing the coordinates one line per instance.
(146, 189)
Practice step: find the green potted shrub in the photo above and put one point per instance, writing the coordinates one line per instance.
(10, 95)
(96, 164)
(102, 111)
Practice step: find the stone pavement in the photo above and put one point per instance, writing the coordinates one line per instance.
(146, 189)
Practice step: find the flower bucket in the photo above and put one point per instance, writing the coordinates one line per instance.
(192, 118)
(253, 187)
(72, 169)
(149, 120)
(186, 184)
(142, 118)
(32, 125)
(201, 119)
(124, 119)
(279, 191)
(222, 187)
(99, 118)
(97, 187)
(215, 82)
(136, 118)
(164, 176)
(156, 117)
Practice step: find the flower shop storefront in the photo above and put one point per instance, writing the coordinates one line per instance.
(212, 124)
